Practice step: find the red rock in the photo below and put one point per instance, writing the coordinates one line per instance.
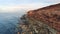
(58, 32)
(49, 15)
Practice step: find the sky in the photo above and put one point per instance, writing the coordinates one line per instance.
(16, 5)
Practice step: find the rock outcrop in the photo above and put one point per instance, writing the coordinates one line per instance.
(49, 15)
(45, 20)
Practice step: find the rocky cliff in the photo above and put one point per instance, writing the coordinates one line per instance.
(45, 20)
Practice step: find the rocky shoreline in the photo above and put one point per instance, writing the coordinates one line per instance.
(30, 26)
(41, 21)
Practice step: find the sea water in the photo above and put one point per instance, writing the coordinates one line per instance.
(8, 22)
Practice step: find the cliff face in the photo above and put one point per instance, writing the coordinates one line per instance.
(45, 20)
(31, 26)
(49, 15)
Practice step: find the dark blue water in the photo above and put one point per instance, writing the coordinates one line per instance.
(8, 22)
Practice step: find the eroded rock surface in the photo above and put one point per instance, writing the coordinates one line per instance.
(45, 20)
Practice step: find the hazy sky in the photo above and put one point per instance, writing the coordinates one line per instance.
(14, 5)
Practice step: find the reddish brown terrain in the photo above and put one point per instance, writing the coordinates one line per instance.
(49, 15)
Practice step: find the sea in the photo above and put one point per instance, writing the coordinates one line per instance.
(9, 22)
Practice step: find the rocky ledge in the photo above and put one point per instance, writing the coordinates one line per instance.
(45, 20)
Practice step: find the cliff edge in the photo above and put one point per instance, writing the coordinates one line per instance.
(49, 15)
(45, 20)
